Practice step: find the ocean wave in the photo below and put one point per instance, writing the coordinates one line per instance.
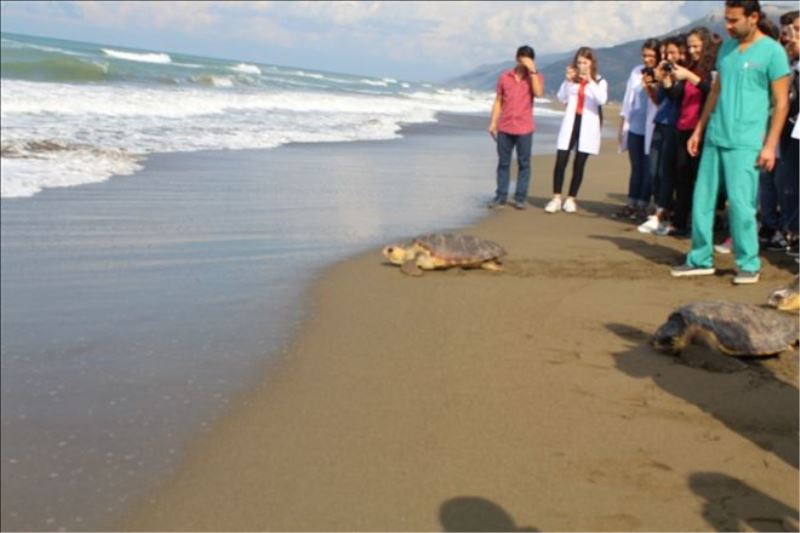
(28, 167)
(159, 58)
(374, 83)
(214, 81)
(55, 68)
(57, 134)
(246, 68)
(40, 47)
(308, 75)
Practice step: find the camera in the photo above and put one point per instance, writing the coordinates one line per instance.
(668, 67)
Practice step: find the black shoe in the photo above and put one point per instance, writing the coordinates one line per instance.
(792, 248)
(777, 243)
(497, 203)
(520, 205)
(765, 234)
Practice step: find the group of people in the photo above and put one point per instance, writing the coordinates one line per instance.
(709, 126)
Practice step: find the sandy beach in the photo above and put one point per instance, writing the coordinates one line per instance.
(523, 400)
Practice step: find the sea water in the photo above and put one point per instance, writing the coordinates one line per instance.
(163, 216)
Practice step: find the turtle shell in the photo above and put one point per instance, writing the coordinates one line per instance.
(459, 249)
(743, 329)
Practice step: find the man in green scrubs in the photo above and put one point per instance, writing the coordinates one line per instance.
(751, 67)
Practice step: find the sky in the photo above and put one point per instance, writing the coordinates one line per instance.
(416, 41)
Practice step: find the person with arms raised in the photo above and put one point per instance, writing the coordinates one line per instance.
(512, 125)
(584, 91)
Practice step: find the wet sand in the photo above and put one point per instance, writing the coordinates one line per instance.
(524, 400)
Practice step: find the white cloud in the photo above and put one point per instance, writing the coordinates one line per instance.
(447, 36)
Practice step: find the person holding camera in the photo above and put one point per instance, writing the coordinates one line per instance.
(512, 125)
(636, 128)
(664, 147)
(788, 164)
(691, 87)
(584, 91)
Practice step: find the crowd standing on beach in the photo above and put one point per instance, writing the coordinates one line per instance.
(710, 127)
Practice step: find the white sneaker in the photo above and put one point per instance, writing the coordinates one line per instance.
(663, 228)
(553, 206)
(650, 225)
(569, 206)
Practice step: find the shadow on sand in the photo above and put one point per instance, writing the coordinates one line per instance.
(732, 505)
(645, 248)
(753, 402)
(470, 513)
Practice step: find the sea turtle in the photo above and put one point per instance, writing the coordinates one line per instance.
(787, 298)
(444, 250)
(732, 328)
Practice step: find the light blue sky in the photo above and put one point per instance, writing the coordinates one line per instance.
(407, 40)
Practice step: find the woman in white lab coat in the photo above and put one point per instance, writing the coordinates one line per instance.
(584, 91)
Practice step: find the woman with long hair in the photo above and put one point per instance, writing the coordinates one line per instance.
(583, 91)
(664, 148)
(636, 128)
(692, 87)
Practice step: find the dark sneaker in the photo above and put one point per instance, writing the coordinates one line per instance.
(521, 205)
(683, 271)
(745, 278)
(765, 234)
(678, 232)
(623, 212)
(777, 243)
(792, 249)
(497, 203)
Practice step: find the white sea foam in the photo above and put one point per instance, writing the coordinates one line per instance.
(308, 74)
(31, 171)
(390, 80)
(246, 68)
(143, 58)
(375, 83)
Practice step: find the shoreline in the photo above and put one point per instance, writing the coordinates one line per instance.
(179, 283)
(525, 399)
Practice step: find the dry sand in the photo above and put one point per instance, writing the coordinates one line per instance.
(525, 400)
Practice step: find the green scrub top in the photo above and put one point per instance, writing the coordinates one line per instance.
(740, 117)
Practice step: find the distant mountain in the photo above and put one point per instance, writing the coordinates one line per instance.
(615, 62)
(484, 77)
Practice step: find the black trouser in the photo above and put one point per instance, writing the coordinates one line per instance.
(684, 178)
(562, 157)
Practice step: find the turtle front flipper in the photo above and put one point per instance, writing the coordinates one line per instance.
(410, 267)
(493, 266)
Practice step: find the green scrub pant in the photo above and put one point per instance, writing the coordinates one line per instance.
(738, 170)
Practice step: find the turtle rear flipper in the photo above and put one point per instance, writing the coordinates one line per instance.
(410, 267)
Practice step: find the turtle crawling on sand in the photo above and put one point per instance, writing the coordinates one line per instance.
(787, 298)
(732, 328)
(444, 250)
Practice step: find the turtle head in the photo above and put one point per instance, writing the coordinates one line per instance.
(670, 336)
(786, 298)
(397, 254)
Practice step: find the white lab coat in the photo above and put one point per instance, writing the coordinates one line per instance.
(634, 83)
(595, 95)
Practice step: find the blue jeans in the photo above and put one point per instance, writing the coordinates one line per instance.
(640, 186)
(768, 200)
(505, 145)
(788, 185)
